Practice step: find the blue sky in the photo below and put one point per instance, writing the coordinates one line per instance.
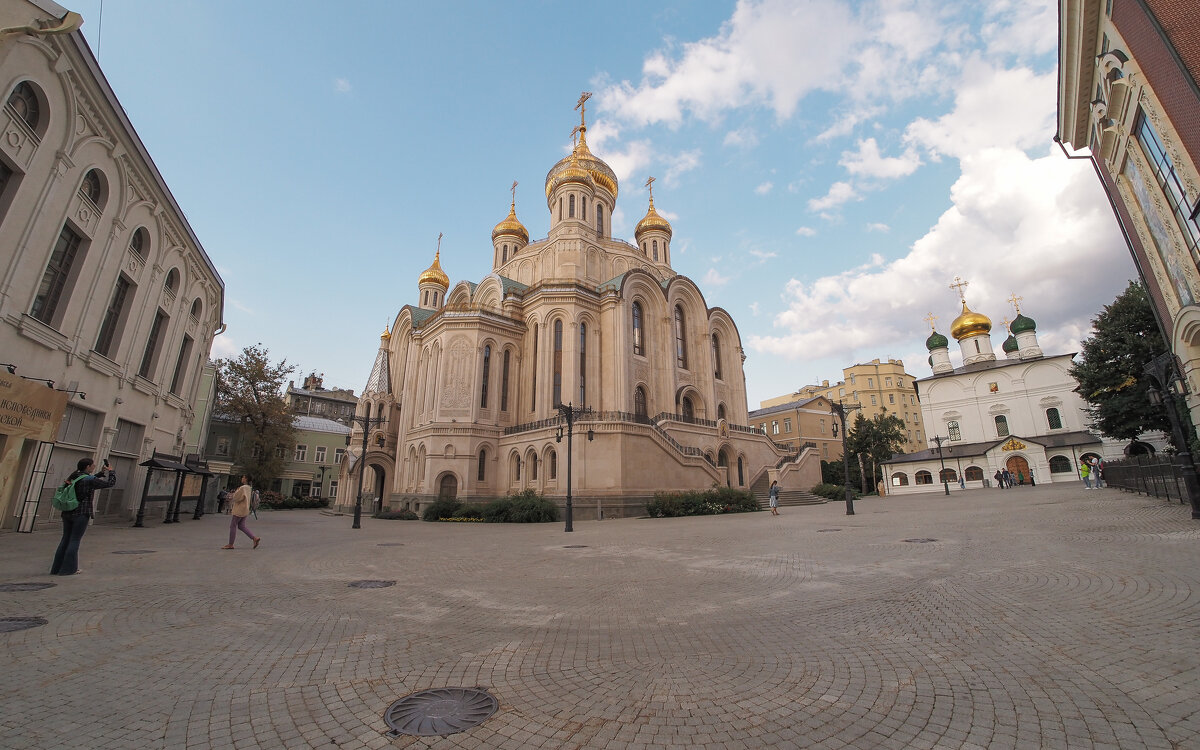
(828, 167)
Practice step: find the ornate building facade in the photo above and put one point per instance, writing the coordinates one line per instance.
(469, 380)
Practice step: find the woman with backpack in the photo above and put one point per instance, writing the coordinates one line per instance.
(75, 522)
(239, 509)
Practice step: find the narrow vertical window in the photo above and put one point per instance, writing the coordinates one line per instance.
(553, 465)
(954, 431)
(487, 367)
(113, 317)
(1053, 419)
(716, 351)
(600, 219)
(54, 280)
(504, 257)
(654, 244)
(1001, 426)
(480, 472)
(556, 398)
(680, 338)
(504, 381)
(90, 188)
(185, 351)
(639, 402)
(152, 341)
(137, 243)
(571, 206)
(638, 347)
(533, 378)
(560, 208)
(582, 364)
(689, 411)
(583, 207)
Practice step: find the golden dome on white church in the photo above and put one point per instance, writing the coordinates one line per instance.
(582, 159)
(652, 220)
(969, 323)
(511, 226)
(434, 274)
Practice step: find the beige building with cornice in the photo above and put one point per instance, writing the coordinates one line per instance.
(469, 379)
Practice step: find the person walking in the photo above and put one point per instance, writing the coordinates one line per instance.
(239, 508)
(1085, 471)
(773, 495)
(999, 479)
(1097, 467)
(75, 522)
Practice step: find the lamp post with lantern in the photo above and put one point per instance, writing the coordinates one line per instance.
(570, 414)
(366, 422)
(938, 439)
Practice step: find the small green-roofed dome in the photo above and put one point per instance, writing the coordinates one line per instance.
(936, 341)
(1022, 324)
(1010, 344)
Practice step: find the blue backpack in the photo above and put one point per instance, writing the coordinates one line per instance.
(64, 497)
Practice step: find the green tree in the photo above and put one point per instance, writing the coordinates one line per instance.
(250, 393)
(876, 439)
(1111, 373)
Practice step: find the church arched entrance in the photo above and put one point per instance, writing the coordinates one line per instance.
(378, 483)
(448, 487)
(1018, 467)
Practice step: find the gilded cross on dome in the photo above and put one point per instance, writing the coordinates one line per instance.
(958, 286)
(650, 186)
(514, 193)
(581, 105)
(931, 319)
(1007, 323)
(1016, 302)
(439, 247)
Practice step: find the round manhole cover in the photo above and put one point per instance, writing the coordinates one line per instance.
(372, 584)
(441, 711)
(574, 546)
(390, 544)
(133, 552)
(13, 624)
(26, 586)
(822, 531)
(922, 540)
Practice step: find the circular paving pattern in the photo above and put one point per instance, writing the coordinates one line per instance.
(13, 624)
(26, 586)
(441, 711)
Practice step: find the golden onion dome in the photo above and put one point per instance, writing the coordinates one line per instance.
(652, 220)
(434, 274)
(581, 166)
(969, 324)
(511, 227)
(386, 335)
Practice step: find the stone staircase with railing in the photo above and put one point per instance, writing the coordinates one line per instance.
(787, 498)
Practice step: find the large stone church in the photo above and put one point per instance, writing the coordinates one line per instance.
(467, 383)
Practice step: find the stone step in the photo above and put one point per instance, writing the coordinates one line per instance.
(792, 498)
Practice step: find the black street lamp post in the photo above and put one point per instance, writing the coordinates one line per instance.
(939, 440)
(366, 422)
(839, 410)
(1170, 387)
(570, 413)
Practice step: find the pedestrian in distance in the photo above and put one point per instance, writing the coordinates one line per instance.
(239, 508)
(999, 479)
(1085, 471)
(75, 522)
(962, 483)
(773, 495)
(1008, 479)
(1020, 479)
(1097, 468)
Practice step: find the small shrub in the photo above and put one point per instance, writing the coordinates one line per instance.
(526, 506)
(834, 491)
(271, 500)
(398, 515)
(713, 501)
(441, 509)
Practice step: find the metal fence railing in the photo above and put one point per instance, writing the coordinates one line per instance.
(1158, 475)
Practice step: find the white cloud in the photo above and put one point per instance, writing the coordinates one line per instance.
(223, 347)
(868, 162)
(764, 188)
(839, 193)
(240, 306)
(806, 231)
(762, 254)
(1016, 224)
(713, 278)
(877, 226)
(681, 163)
(754, 308)
(741, 138)
(342, 86)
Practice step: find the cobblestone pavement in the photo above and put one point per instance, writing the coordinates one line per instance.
(1048, 617)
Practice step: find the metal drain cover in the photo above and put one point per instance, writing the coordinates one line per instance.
(372, 584)
(922, 540)
(26, 586)
(133, 552)
(390, 544)
(441, 711)
(13, 624)
(820, 531)
(574, 546)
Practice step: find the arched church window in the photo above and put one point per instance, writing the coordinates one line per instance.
(1060, 465)
(716, 351)
(482, 464)
(689, 411)
(1053, 419)
(487, 367)
(532, 463)
(599, 219)
(643, 248)
(553, 459)
(90, 188)
(680, 338)
(741, 473)
(638, 346)
(582, 364)
(425, 298)
(571, 206)
(954, 430)
(655, 246)
(504, 381)
(583, 207)
(1001, 425)
(560, 208)
(973, 474)
(558, 352)
(504, 257)
(720, 411)
(900, 479)
(138, 242)
(924, 477)
(947, 475)
(639, 402)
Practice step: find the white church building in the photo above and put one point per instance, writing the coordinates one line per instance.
(1019, 413)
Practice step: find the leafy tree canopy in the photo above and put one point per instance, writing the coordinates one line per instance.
(250, 393)
(1111, 373)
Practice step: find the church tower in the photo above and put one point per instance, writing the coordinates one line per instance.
(653, 233)
(581, 190)
(509, 237)
(1025, 330)
(433, 283)
(939, 351)
(972, 330)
